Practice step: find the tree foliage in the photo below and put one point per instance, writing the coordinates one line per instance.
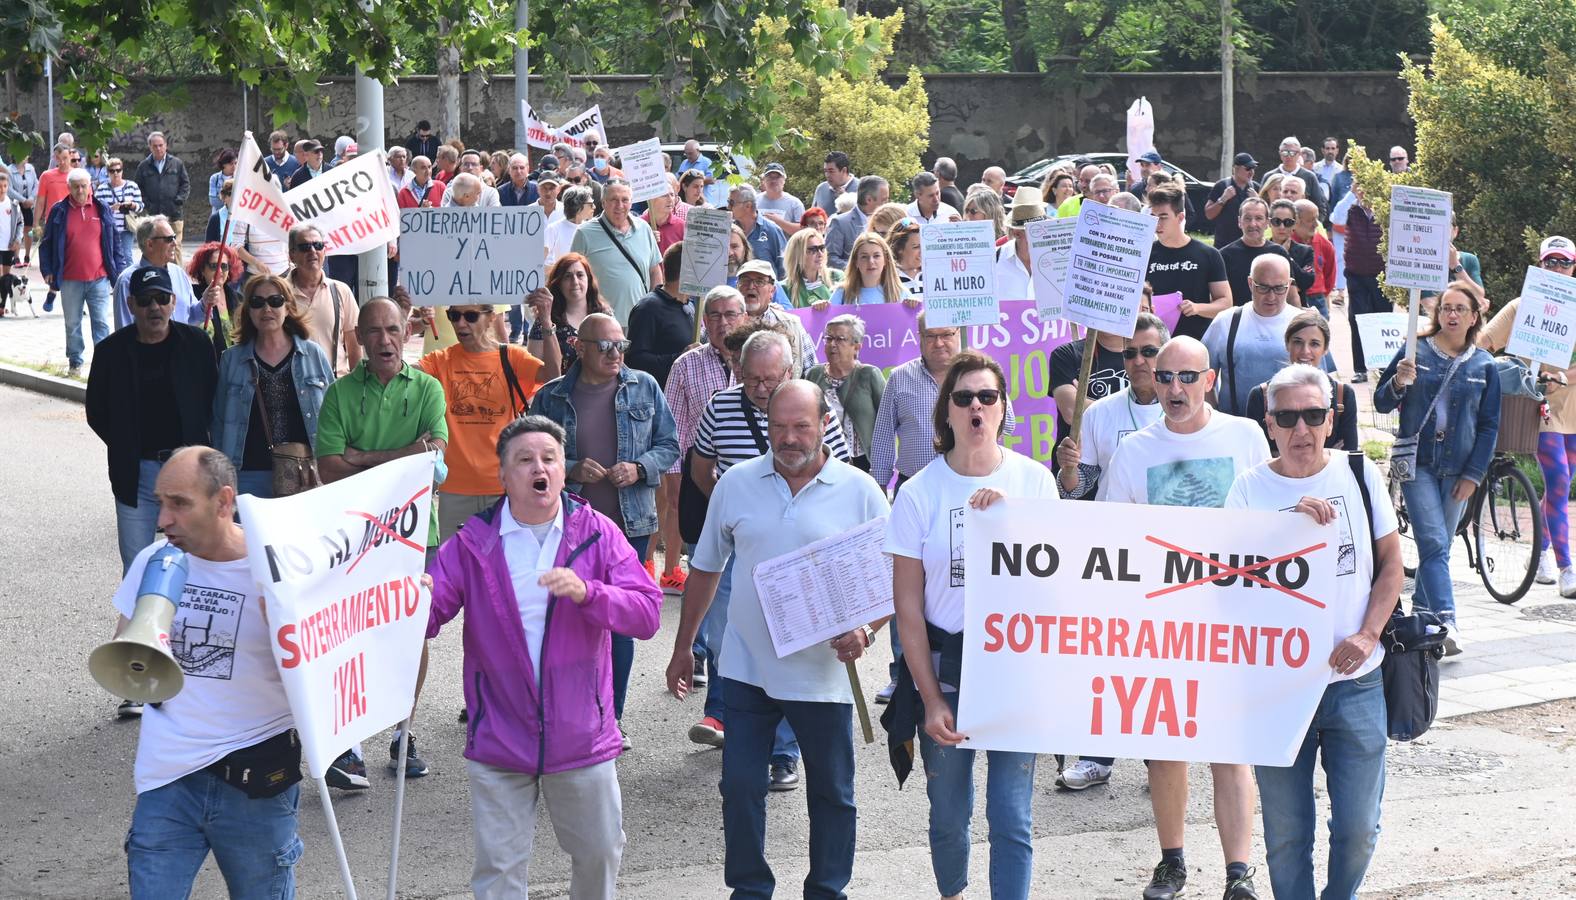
(884, 130)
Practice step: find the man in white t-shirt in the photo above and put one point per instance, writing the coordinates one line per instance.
(1248, 343)
(1348, 729)
(1111, 418)
(796, 493)
(232, 700)
(1190, 458)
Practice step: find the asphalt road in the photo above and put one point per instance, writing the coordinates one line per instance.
(1472, 808)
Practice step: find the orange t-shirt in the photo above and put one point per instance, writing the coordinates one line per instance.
(52, 188)
(478, 405)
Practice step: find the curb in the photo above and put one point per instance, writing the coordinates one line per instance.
(33, 380)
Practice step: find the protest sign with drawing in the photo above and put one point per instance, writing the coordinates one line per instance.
(1110, 258)
(352, 205)
(704, 263)
(1545, 327)
(960, 273)
(642, 165)
(460, 255)
(1178, 634)
(1050, 246)
(257, 199)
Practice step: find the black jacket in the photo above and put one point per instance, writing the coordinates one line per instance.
(163, 193)
(660, 329)
(112, 398)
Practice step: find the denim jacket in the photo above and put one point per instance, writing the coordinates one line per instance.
(646, 434)
(1467, 444)
(232, 402)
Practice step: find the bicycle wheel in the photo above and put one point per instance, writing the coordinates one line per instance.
(1508, 532)
(1409, 555)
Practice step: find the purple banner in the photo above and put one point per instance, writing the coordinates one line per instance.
(891, 331)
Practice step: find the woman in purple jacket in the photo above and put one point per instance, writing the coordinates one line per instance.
(544, 580)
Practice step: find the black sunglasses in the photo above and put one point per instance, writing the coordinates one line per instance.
(1186, 376)
(986, 397)
(167, 238)
(304, 246)
(144, 301)
(257, 301)
(609, 348)
(469, 315)
(1148, 352)
(1287, 418)
(1283, 223)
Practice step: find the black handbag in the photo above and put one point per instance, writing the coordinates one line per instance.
(692, 503)
(265, 769)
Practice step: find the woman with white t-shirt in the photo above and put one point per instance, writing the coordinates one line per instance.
(924, 540)
(1349, 727)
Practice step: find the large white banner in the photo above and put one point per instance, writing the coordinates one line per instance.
(537, 133)
(573, 132)
(1145, 632)
(352, 204)
(258, 200)
(341, 568)
(462, 255)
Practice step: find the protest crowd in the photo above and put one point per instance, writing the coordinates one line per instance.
(613, 438)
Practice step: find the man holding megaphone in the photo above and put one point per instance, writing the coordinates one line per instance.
(218, 761)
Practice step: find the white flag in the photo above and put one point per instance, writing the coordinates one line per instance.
(258, 200)
(538, 134)
(573, 132)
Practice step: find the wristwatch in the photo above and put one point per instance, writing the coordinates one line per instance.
(1457, 269)
(640, 471)
(870, 634)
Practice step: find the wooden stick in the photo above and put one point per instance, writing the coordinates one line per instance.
(1085, 367)
(859, 703)
(700, 314)
(1411, 323)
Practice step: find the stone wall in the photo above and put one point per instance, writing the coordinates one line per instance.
(979, 120)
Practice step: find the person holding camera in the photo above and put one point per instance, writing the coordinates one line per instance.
(124, 199)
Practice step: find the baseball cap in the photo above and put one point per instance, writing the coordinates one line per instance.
(549, 163)
(311, 146)
(1150, 157)
(1245, 159)
(1557, 246)
(758, 267)
(151, 280)
(775, 167)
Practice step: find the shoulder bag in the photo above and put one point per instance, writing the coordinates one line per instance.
(1403, 453)
(693, 504)
(516, 393)
(645, 285)
(295, 468)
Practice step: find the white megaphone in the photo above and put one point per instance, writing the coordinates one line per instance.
(137, 664)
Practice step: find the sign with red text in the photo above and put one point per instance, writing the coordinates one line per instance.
(960, 273)
(574, 131)
(1105, 276)
(537, 133)
(352, 205)
(257, 199)
(341, 568)
(1545, 326)
(1144, 632)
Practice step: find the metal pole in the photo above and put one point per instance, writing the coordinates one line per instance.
(245, 110)
(399, 802)
(334, 839)
(522, 76)
(373, 264)
(1228, 117)
(49, 99)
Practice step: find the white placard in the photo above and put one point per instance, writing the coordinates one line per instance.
(826, 588)
(573, 132)
(1384, 334)
(1419, 232)
(352, 205)
(538, 134)
(1105, 276)
(642, 165)
(1050, 249)
(258, 200)
(457, 255)
(341, 566)
(1545, 326)
(1111, 633)
(704, 263)
(959, 273)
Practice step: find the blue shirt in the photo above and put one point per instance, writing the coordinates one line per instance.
(767, 242)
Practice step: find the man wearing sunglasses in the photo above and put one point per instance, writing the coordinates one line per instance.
(157, 242)
(150, 392)
(80, 257)
(327, 304)
(1227, 194)
(1190, 458)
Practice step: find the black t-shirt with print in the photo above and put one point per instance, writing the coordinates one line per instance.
(1189, 269)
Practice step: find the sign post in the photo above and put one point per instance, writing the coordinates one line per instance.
(704, 262)
(1419, 256)
(642, 165)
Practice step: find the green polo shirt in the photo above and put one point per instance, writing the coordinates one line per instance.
(620, 282)
(361, 412)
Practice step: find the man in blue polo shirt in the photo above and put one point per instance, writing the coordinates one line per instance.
(767, 241)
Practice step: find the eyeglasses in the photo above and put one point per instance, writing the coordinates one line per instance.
(257, 301)
(1149, 352)
(936, 337)
(1283, 223)
(144, 301)
(1453, 310)
(1287, 418)
(1554, 262)
(1187, 376)
(115, 169)
(815, 248)
(166, 238)
(1270, 290)
(306, 246)
(1290, 152)
(836, 339)
(470, 315)
(606, 347)
(713, 315)
(986, 397)
(771, 381)
(221, 266)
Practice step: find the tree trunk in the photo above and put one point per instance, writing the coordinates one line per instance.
(449, 117)
(1015, 22)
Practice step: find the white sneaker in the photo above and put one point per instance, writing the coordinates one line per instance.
(1568, 582)
(1455, 644)
(885, 694)
(1546, 569)
(1084, 774)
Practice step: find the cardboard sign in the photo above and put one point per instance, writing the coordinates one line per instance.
(704, 263)
(1383, 334)
(1545, 326)
(642, 165)
(891, 331)
(1170, 633)
(352, 205)
(1169, 308)
(1050, 250)
(1419, 256)
(341, 568)
(960, 273)
(573, 132)
(258, 200)
(461, 255)
(1110, 258)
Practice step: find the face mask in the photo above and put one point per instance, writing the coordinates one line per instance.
(600, 164)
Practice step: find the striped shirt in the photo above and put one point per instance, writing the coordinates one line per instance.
(725, 434)
(696, 375)
(128, 192)
(905, 417)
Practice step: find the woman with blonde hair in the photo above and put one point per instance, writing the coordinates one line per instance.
(885, 216)
(871, 276)
(808, 281)
(984, 205)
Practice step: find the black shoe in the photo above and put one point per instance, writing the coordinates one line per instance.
(785, 777)
(415, 766)
(465, 715)
(131, 709)
(1169, 880)
(1360, 378)
(698, 678)
(1241, 888)
(348, 773)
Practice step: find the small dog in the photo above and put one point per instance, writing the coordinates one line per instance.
(13, 290)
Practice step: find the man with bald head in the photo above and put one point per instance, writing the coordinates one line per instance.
(519, 190)
(995, 178)
(619, 438)
(795, 493)
(1190, 458)
(1248, 343)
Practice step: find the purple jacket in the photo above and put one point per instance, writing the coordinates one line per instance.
(566, 722)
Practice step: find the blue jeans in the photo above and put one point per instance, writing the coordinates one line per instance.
(516, 324)
(753, 720)
(73, 294)
(1320, 303)
(135, 526)
(624, 645)
(1349, 731)
(1009, 812)
(128, 243)
(708, 643)
(173, 827)
(257, 482)
(1434, 514)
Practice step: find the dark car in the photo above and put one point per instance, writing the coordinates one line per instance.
(1034, 173)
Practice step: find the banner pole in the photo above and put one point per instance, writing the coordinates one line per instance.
(700, 313)
(1412, 307)
(1085, 367)
(399, 801)
(333, 834)
(859, 703)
